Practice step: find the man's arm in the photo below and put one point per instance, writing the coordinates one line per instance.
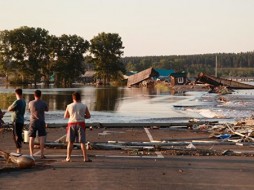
(29, 107)
(66, 114)
(88, 115)
(12, 107)
(46, 108)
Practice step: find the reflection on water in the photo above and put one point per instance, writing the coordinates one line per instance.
(97, 99)
(56, 100)
(107, 99)
(103, 102)
(109, 104)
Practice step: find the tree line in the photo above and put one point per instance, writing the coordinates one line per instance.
(30, 55)
(228, 64)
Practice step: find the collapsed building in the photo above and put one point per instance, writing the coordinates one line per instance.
(143, 78)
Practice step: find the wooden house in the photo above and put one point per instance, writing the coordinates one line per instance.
(178, 78)
(89, 77)
(143, 78)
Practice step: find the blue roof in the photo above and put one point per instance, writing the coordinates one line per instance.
(164, 72)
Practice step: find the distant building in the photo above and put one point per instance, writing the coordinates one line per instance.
(143, 78)
(89, 77)
(178, 78)
(164, 74)
(129, 73)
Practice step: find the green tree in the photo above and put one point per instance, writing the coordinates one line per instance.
(5, 58)
(27, 49)
(69, 50)
(47, 69)
(106, 52)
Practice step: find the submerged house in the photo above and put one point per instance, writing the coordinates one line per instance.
(89, 77)
(164, 74)
(128, 74)
(143, 78)
(178, 78)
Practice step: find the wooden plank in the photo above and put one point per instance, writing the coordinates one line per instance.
(216, 81)
(133, 125)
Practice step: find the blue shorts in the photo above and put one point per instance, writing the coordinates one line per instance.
(76, 133)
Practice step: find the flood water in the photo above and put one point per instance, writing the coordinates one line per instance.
(114, 105)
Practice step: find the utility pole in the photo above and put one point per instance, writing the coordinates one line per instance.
(216, 65)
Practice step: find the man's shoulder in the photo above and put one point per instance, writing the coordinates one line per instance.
(71, 104)
(37, 101)
(32, 101)
(76, 103)
(81, 104)
(42, 101)
(21, 101)
(15, 102)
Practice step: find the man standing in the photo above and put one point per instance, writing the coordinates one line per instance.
(37, 107)
(77, 112)
(18, 108)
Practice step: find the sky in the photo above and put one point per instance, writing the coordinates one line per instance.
(146, 27)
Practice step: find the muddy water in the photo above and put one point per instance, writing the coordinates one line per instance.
(109, 104)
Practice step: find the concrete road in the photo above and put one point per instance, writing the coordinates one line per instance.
(134, 173)
(117, 169)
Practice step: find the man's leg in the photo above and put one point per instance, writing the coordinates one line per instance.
(82, 138)
(31, 145)
(15, 136)
(19, 128)
(83, 148)
(69, 150)
(42, 144)
(15, 139)
(19, 150)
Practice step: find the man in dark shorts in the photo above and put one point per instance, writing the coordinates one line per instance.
(77, 112)
(37, 109)
(18, 108)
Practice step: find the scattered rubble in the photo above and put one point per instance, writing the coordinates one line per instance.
(217, 139)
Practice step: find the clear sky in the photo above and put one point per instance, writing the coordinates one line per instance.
(147, 27)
